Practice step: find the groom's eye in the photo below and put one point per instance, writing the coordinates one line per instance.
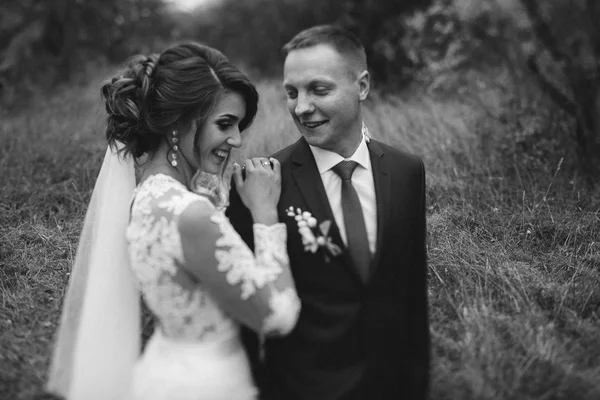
(291, 94)
(321, 90)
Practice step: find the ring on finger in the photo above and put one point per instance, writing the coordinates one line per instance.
(266, 163)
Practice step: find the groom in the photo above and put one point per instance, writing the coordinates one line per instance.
(363, 330)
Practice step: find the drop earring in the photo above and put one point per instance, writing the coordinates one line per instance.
(174, 149)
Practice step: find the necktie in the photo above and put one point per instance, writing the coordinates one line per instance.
(356, 232)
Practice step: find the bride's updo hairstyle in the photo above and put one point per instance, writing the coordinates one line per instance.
(159, 93)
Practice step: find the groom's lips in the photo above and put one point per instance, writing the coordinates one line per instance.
(313, 124)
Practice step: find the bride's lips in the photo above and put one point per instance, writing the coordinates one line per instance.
(221, 154)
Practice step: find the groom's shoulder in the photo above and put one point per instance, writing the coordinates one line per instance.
(284, 155)
(399, 157)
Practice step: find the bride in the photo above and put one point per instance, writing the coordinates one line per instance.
(178, 116)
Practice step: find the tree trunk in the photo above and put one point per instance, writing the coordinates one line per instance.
(584, 87)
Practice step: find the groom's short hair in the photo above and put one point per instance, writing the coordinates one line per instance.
(342, 40)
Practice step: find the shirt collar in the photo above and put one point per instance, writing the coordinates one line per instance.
(326, 159)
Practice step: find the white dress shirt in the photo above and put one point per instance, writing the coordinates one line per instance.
(362, 180)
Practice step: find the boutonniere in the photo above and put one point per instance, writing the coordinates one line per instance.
(313, 236)
(366, 133)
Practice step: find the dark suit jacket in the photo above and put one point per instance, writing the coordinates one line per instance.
(354, 339)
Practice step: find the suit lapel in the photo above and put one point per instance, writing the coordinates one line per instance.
(382, 183)
(310, 185)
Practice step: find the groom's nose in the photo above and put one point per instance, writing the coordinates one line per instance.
(303, 105)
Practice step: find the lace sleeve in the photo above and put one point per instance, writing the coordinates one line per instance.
(256, 289)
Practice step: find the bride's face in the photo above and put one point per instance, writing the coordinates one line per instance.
(220, 133)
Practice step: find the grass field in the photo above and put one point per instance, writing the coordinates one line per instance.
(513, 237)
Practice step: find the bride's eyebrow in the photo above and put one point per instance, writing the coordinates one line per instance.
(228, 116)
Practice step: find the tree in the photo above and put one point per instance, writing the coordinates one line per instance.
(254, 31)
(566, 62)
(43, 42)
(379, 26)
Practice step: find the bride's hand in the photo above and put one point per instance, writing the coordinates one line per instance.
(261, 188)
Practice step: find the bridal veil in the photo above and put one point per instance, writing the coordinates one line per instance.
(98, 340)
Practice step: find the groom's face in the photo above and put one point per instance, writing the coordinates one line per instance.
(323, 97)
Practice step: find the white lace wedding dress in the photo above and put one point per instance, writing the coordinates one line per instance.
(195, 351)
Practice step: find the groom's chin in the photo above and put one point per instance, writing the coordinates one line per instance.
(314, 137)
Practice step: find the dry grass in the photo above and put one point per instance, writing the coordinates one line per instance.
(513, 245)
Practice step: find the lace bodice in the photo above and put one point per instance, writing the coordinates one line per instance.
(198, 276)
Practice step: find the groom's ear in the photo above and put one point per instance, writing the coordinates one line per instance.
(364, 84)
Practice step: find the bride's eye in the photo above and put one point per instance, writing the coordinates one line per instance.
(224, 125)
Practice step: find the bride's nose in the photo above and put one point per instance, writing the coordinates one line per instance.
(235, 138)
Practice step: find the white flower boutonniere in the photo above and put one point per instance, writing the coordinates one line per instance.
(312, 238)
(366, 133)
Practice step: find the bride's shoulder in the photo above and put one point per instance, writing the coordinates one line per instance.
(161, 193)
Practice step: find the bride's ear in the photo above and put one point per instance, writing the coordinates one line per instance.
(364, 84)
